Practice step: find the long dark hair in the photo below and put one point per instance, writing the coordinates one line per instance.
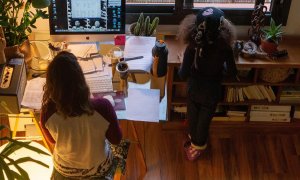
(66, 87)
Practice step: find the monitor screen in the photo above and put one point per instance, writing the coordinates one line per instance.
(86, 20)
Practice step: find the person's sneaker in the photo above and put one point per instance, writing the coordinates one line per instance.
(191, 153)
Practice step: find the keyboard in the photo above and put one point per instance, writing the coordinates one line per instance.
(98, 85)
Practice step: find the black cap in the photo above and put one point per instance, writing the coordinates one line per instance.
(211, 16)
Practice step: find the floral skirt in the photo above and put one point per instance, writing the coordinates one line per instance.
(119, 153)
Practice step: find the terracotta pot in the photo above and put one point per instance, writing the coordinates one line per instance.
(12, 52)
(25, 48)
(268, 47)
(19, 51)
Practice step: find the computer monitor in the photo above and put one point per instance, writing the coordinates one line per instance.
(86, 20)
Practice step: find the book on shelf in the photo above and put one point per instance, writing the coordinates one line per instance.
(262, 114)
(220, 118)
(291, 91)
(271, 92)
(229, 118)
(297, 112)
(236, 113)
(270, 119)
(254, 92)
(279, 108)
(236, 118)
(264, 92)
(292, 99)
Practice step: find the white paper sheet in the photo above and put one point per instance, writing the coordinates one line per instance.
(143, 105)
(34, 93)
(83, 50)
(139, 46)
(87, 66)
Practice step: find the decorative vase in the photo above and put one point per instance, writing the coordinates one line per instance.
(268, 47)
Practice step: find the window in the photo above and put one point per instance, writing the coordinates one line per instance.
(238, 11)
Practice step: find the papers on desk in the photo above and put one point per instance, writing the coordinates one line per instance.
(91, 65)
(98, 79)
(143, 105)
(82, 50)
(139, 46)
(34, 93)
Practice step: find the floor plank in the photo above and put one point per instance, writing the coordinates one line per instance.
(231, 154)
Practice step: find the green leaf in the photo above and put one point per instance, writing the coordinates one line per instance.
(16, 175)
(12, 148)
(26, 159)
(23, 173)
(26, 146)
(1, 172)
(33, 26)
(6, 169)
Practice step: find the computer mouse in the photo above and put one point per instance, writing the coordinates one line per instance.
(34, 75)
(110, 98)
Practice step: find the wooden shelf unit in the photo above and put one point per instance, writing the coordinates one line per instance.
(176, 88)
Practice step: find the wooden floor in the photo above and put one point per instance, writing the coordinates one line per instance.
(232, 154)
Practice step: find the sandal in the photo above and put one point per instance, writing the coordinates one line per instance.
(191, 153)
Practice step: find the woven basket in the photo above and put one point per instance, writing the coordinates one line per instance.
(274, 75)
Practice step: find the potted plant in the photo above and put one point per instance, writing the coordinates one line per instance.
(271, 37)
(6, 161)
(17, 21)
(144, 26)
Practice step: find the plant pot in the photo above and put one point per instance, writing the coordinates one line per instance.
(268, 47)
(25, 48)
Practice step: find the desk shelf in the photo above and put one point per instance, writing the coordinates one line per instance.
(177, 88)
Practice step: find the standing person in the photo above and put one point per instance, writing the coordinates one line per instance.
(77, 126)
(209, 37)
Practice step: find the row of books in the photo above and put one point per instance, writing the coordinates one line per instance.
(270, 113)
(254, 92)
(258, 113)
(290, 95)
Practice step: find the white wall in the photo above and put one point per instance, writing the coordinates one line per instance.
(292, 27)
(293, 24)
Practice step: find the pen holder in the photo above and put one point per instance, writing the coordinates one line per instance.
(122, 69)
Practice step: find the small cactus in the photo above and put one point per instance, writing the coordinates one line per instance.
(137, 29)
(147, 26)
(154, 25)
(144, 27)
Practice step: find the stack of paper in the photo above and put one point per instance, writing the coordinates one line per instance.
(143, 104)
(139, 46)
(34, 93)
(98, 79)
(82, 50)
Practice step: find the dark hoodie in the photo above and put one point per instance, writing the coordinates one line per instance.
(214, 52)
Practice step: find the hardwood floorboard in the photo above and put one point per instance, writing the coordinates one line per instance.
(231, 154)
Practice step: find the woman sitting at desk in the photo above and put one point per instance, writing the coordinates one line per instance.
(76, 125)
